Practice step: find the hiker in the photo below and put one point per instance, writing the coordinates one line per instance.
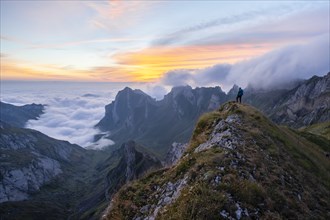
(239, 95)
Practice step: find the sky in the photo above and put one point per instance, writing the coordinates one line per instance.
(165, 42)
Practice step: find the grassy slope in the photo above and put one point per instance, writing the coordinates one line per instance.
(322, 129)
(276, 173)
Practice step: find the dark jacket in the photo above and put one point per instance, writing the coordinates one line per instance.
(240, 92)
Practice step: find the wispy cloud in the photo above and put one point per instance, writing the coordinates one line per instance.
(249, 18)
(114, 15)
(33, 45)
(281, 31)
(81, 42)
(282, 23)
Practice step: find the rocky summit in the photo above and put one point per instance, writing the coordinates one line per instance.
(238, 165)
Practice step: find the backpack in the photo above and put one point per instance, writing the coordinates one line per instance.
(240, 92)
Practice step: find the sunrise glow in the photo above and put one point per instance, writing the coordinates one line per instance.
(140, 41)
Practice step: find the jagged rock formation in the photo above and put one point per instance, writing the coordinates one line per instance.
(132, 163)
(239, 165)
(308, 104)
(134, 115)
(18, 115)
(174, 154)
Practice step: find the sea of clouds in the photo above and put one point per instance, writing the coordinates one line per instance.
(72, 109)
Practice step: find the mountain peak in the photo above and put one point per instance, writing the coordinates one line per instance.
(128, 90)
(233, 91)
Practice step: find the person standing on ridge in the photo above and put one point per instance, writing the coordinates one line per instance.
(239, 95)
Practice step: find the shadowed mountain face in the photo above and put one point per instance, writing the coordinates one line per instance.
(30, 163)
(127, 163)
(306, 104)
(18, 115)
(157, 124)
(242, 166)
(52, 179)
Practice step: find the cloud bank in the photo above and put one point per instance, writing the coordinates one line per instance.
(272, 69)
(71, 118)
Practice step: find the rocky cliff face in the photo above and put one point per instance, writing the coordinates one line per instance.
(132, 165)
(136, 116)
(174, 154)
(29, 160)
(308, 103)
(129, 109)
(242, 166)
(18, 115)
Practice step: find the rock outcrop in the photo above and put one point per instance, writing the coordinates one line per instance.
(174, 154)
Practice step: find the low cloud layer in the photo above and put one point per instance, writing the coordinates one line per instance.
(72, 109)
(299, 61)
(71, 118)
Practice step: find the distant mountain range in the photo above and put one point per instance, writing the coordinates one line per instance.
(134, 115)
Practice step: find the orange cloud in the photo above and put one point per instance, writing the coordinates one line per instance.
(147, 65)
(21, 70)
(151, 63)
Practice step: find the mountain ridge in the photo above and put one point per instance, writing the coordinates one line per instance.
(242, 165)
(18, 115)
